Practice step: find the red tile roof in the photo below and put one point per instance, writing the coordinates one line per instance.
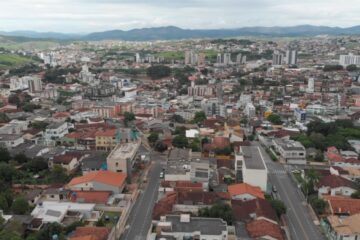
(261, 228)
(98, 233)
(105, 177)
(334, 181)
(244, 188)
(99, 197)
(164, 206)
(260, 207)
(106, 133)
(343, 205)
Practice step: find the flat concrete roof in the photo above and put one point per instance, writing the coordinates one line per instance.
(252, 157)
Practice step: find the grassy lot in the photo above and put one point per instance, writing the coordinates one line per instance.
(11, 60)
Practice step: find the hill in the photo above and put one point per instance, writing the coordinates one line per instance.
(176, 33)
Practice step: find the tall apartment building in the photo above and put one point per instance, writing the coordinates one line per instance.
(277, 58)
(35, 84)
(350, 59)
(291, 57)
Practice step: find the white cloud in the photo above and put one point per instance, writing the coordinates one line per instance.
(98, 15)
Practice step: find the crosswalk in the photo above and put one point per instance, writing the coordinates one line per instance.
(277, 172)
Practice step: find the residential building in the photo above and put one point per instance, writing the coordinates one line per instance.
(250, 166)
(338, 228)
(292, 152)
(122, 157)
(99, 181)
(346, 60)
(244, 192)
(184, 226)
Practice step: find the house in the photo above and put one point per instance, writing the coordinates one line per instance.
(343, 206)
(56, 131)
(70, 161)
(338, 228)
(98, 197)
(106, 139)
(250, 166)
(335, 185)
(184, 226)
(245, 192)
(262, 229)
(99, 181)
(90, 233)
(292, 152)
(11, 140)
(255, 209)
(64, 213)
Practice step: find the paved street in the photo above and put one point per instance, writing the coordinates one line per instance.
(140, 217)
(298, 217)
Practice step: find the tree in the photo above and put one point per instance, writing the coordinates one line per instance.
(14, 100)
(21, 158)
(180, 130)
(160, 146)
(4, 204)
(180, 141)
(36, 165)
(128, 117)
(158, 71)
(177, 118)
(352, 68)
(58, 175)
(279, 206)
(218, 210)
(20, 206)
(7, 172)
(195, 145)
(199, 117)
(274, 119)
(329, 68)
(319, 156)
(4, 118)
(311, 179)
(30, 107)
(356, 194)
(153, 137)
(319, 205)
(4, 155)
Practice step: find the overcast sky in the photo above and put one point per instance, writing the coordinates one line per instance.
(98, 15)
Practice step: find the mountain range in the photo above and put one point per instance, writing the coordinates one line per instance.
(176, 33)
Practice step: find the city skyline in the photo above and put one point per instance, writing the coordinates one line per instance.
(82, 16)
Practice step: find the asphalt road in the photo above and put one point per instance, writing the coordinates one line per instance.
(141, 215)
(298, 217)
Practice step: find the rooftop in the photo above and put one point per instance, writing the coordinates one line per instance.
(252, 157)
(207, 226)
(106, 177)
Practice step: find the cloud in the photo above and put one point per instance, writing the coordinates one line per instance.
(95, 15)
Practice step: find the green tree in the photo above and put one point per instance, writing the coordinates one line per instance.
(319, 205)
(58, 175)
(4, 155)
(36, 165)
(180, 141)
(352, 68)
(158, 71)
(128, 117)
(4, 204)
(199, 117)
(153, 137)
(21, 158)
(14, 100)
(195, 145)
(160, 146)
(356, 194)
(7, 172)
(274, 119)
(4, 118)
(279, 206)
(20, 206)
(177, 118)
(218, 210)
